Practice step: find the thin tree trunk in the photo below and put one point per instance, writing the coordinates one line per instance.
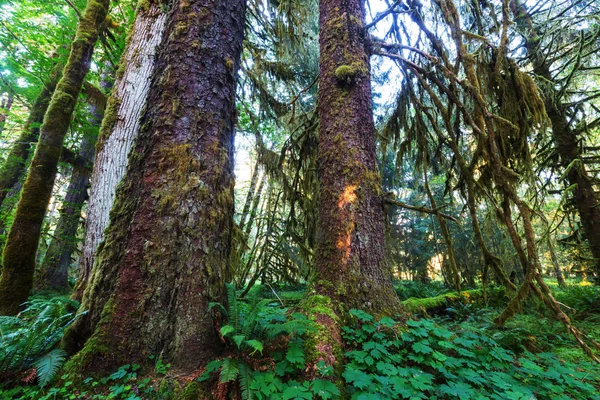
(119, 129)
(58, 257)
(164, 254)
(5, 107)
(15, 165)
(585, 198)
(445, 234)
(21, 245)
(555, 264)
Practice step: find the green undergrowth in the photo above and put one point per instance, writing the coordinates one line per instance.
(458, 354)
(429, 361)
(28, 341)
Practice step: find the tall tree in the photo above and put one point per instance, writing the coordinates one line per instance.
(350, 240)
(14, 166)
(350, 269)
(164, 254)
(120, 127)
(5, 106)
(19, 254)
(566, 138)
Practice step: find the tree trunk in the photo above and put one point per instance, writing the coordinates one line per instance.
(350, 269)
(58, 257)
(585, 198)
(350, 240)
(165, 251)
(15, 165)
(23, 238)
(119, 129)
(5, 107)
(560, 279)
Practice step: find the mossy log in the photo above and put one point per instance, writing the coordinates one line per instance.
(21, 246)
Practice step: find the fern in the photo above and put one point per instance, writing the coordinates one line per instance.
(229, 370)
(245, 379)
(250, 324)
(47, 365)
(27, 341)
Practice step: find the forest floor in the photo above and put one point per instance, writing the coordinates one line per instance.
(452, 349)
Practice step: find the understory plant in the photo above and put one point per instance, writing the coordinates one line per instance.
(267, 351)
(426, 361)
(28, 341)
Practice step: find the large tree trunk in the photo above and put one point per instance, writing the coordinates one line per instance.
(585, 198)
(21, 245)
(350, 240)
(165, 251)
(350, 270)
(120, 128)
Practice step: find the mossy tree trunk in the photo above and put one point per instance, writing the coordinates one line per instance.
(350, 269)
(585, 197)
(120, 127)
(20, 250)
(350, 256)
(15, 165)
(57, 260)
(165, 251)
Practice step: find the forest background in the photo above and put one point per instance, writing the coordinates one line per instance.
(394, 159)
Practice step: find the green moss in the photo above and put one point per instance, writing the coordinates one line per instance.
(345, 73)
(416, 305)
(192, 392)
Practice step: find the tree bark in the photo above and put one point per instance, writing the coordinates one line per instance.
(165, 251)
(350, 250)
(119, 129)
(585, 198)
(350, 270)
(21, 245)
(560, 278)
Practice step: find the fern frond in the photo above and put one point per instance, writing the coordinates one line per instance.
(245, 379)
(47, 365)
(256, 345)
(229, 370)
(252, 318)
(226, 330)
(234, 309)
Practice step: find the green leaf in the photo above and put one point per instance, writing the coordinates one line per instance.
(255, 345)
(324, 388)
(420, 347)
(357, 378)
(47, 365)
(227, 329)
(238, 339)
(295, 354)
(296, 392)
